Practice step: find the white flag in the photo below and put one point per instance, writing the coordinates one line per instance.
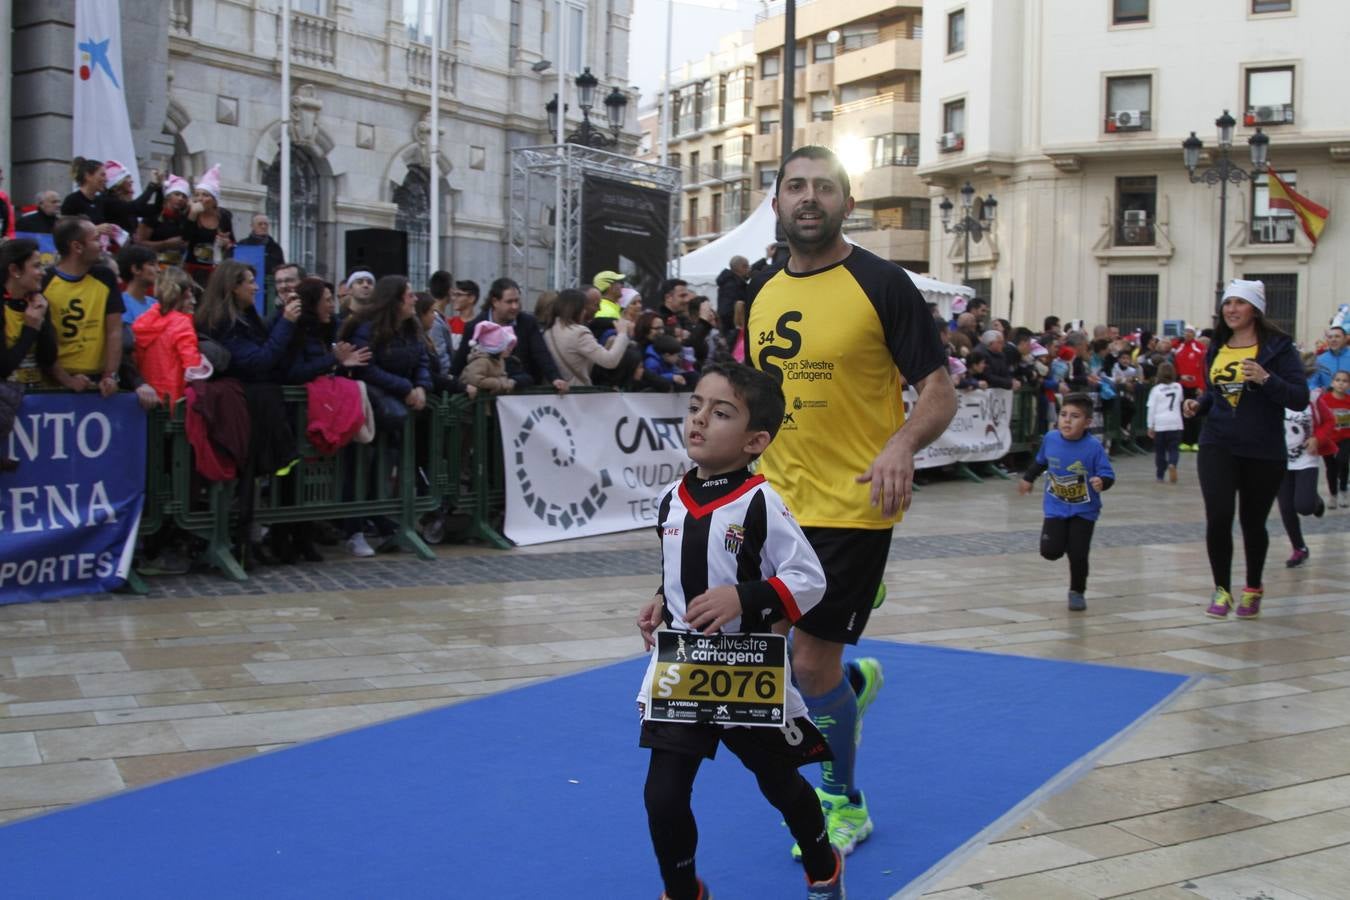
(102, 128)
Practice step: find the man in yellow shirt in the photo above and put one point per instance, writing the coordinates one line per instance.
(85, 307)
(842, 330)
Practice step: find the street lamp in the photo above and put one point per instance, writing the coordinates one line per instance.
(1224, 171)
(587, 134)
(971, 228)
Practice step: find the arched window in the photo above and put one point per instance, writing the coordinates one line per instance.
(304, 206)
(413, 199)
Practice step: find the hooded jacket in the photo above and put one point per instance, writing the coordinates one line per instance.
(166, 347)
(730, 288)
(1255, 427)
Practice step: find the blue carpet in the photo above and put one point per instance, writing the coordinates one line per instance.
(537, 793)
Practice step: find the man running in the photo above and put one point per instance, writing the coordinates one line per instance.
(839, 327)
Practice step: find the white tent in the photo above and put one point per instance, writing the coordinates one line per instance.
(702, 266)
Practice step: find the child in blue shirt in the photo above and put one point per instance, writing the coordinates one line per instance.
(1078, 471)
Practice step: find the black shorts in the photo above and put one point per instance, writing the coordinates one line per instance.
(854, 560)
(798, 742)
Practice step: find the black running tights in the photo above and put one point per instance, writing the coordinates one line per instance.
(1338, 469)
(1248, 487)
(1074, 537)
(670, 781)
(1298, 497)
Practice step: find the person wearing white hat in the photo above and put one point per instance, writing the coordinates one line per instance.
(209, 229)
(162, 229)
(1253, 375)
(120, 206)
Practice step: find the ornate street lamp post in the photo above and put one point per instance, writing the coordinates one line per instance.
(969, 227)
(588, 134)
(1224, 171)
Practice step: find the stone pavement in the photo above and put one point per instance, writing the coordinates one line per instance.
(1240, 789)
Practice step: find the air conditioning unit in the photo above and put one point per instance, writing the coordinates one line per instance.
(952, 140)
(1134, 226)
(1136, 217)
(1269, 115)
(1125, 120)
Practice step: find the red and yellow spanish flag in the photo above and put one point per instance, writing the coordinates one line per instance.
(1310, 215)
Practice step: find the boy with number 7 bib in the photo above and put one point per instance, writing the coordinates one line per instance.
(735, 561)
(1078, 470)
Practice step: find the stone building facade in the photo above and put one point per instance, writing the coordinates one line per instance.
(205, 75)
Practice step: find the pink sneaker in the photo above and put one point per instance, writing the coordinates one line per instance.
(1249, 604)
(1219, 604)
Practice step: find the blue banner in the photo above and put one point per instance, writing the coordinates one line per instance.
(69, 513)
(46, 246)
(255, 255)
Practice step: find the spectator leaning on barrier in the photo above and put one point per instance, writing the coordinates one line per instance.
(86, 309)
(574, 346)
(991, 351)
(43, 217)
(489, 344)
(1336, 358)
(166, 349)
(139, 268)
(226, 314)
(29, 347)
(530, 363)
(398, 358)
(312, 352)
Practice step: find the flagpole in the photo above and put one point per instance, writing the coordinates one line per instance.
(665, 86)
(562, 152)
(435, 152)
(284, 201)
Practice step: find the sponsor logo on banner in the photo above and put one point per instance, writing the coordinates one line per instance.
(979, 432)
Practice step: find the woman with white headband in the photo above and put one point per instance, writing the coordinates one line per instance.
(1253, 374)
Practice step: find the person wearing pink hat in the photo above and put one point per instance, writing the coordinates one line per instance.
(490, 345)
(120, 206)
(209, 230)
(161, 229)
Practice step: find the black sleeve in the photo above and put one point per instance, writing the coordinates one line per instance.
(1287, 386)
(1107, 481)
(905, 320)
(541, 361)
(1033, 471)
(12, 357)
(115, 305)
(71, 205)
(226, 225)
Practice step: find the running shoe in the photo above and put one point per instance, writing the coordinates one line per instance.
(1297, 558)
(828, 890)
(1249, 604)
(703, 892)
(1219, 604)
(1077, 602)
(847, 823)
(869, 670)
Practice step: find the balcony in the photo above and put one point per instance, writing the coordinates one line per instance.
(951, 142)
(881, 58)
(893, 243)
(769, 91)
(1273, 229)
(313, 40)
(887, 183)
(180, 18)
(419, 69)
(820, 76)
(887, 113)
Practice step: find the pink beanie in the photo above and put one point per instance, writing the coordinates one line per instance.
(117, 173)
(175, 185)
(492, 338)
(210, 182)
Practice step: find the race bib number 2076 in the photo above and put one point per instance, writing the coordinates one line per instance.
(725, 679)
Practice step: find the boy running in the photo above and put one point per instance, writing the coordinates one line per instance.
(734, 561)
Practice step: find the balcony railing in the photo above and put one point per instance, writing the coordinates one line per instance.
(313, 40)
(1135, 231)
(180, 18)
(951, 142)
(866, 103)
(907, 158)
(419, 68)
(850, 43)
(860, 221)
(1273, 229)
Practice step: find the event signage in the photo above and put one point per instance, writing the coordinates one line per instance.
(586, 464)
(723, 679)
(69, 513)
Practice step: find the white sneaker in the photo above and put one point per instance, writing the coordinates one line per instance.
(357, 546)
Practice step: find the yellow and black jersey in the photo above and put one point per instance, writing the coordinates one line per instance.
(839, 340)
(79, 309)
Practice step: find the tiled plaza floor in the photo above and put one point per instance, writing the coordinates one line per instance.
(1240, 790)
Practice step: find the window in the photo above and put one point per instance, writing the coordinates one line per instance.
(716, 217)
(1270, 96)
(740, 94)
(695, 227)
(1137, 206)
(736, 160)
(1270, 6)
(1271, 225)
(956, 31)
(821, 50)
(766, 173)
(304, 205)
(695, 174)
(768, 65)
(895, 150)
(1129, 103)
(701, 105)
(768, 119)
(413, 199)
(1128, 12)
(717, 161)
(1281, 299)
(576, 36)
(689, 114)
(914, 213)
(856, 37)
(822, 107)
(311, 7)
(735, 208)
(417, 16)
(799, 56)
(984, 287)
(953, 127)
(1132, 302)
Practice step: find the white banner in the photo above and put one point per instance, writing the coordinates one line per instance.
(980, 432)
(101, 128)
(589, 463)
(596, 463)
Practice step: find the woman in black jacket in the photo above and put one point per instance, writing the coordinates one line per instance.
(312, 351)
(227, 315)
(1253, 375)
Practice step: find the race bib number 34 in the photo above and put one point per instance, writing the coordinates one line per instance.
(725, 679)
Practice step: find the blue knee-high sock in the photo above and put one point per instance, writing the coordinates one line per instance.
(836, 715)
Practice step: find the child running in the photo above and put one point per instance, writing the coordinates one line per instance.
(1308, 434)
(1079, 471)
(1165, 423)
(1338, 463)
(735, 561)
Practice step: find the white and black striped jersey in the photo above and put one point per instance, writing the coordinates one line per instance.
(735, 530)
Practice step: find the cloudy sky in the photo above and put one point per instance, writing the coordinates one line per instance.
(698, 26)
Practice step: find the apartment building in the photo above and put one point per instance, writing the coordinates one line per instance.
(857, 84)
(1072, 113)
